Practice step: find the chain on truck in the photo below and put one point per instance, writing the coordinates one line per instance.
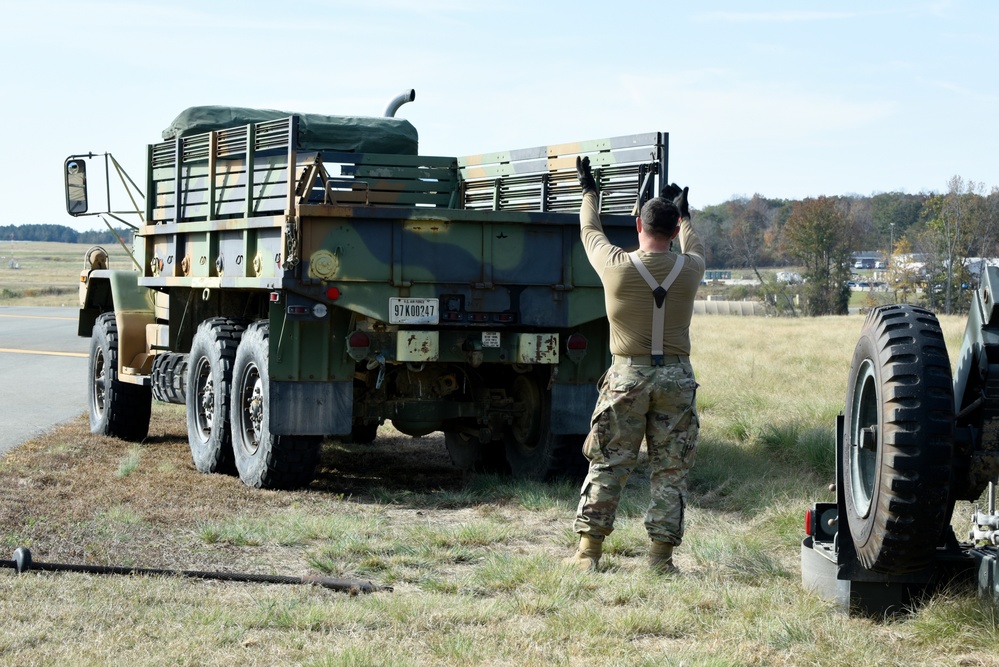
(297, 276)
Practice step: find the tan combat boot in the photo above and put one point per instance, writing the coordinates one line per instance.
(661, 558)
(588, 553)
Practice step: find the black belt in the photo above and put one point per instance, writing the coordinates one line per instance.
(650, 360)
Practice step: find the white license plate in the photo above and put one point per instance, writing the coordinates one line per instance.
(413, 311)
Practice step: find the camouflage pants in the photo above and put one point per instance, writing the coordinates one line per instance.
(656, 403)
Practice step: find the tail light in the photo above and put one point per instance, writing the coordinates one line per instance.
(576, 347)
(358, 345)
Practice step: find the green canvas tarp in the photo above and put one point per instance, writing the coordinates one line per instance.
(359, 134)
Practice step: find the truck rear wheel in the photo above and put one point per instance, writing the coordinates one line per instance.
(117, 408)
(209, 385)
(532, 450)
(468, 453)
(264, 460)
(898, 440)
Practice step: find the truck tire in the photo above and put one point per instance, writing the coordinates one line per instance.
(169, 378)
(209, 385)
(532, 450)
(264, 460)
(898, 440)
(468, 453)
(117, 409)
(363, 434)
(569, 461)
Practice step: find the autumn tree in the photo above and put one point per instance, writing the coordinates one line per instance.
(819, 236)
(905, 273)
(893, 213)
(958, 227)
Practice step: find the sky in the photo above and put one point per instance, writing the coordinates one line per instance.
(783, 99)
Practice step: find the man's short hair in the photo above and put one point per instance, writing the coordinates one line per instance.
(660, 217)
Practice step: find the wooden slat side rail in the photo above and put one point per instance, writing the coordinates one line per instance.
(382, 180)
(215, 186)
(544, 178)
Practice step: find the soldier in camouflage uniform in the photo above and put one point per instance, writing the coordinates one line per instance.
(649, 390)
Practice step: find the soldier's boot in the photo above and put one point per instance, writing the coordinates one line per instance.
(588, 553)
(661, 558)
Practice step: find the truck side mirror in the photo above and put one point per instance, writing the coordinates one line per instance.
(75, 174)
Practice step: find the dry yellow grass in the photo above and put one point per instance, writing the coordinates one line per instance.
(48, 274)
(475, 561)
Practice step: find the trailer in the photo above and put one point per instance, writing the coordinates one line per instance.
(913, 440)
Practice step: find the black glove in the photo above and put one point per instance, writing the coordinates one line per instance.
(670, 192)
(585, 176)
(682, 205)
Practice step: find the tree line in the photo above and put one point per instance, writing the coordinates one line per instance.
(932, 242)
(62, 234)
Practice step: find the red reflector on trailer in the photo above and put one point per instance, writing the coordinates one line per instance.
(809, 520)
(332, 294)
(298, 310)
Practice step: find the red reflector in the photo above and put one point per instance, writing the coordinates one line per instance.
(332, 294)
(577, 341)
(298, 310)
(809, 519)
(359, 339)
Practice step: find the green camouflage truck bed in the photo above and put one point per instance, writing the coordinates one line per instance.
(293, 289)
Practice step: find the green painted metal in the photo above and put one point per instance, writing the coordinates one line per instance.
(244, 222)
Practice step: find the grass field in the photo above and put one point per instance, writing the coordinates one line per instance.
(475, 561)
(46, 274)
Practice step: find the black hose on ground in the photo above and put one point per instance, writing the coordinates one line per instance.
(23, 562)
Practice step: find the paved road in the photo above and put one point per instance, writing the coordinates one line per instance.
(43, 367)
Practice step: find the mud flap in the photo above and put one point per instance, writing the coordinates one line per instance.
(311, 408)
(572, 406)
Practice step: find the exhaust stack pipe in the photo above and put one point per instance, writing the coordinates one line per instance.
(402, 98)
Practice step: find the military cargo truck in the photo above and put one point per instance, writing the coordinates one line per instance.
(300, 276)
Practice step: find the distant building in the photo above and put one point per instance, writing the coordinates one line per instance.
(868, 259)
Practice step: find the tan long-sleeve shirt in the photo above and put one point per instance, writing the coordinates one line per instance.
(627, 296)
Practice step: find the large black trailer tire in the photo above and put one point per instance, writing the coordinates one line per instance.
(209, 385)
(898, 440)
(117, 408)
(264, 460)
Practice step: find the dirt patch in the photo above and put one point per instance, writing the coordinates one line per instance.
(71, 496)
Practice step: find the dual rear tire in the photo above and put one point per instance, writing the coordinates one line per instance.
(228, 413)
(265, 460)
